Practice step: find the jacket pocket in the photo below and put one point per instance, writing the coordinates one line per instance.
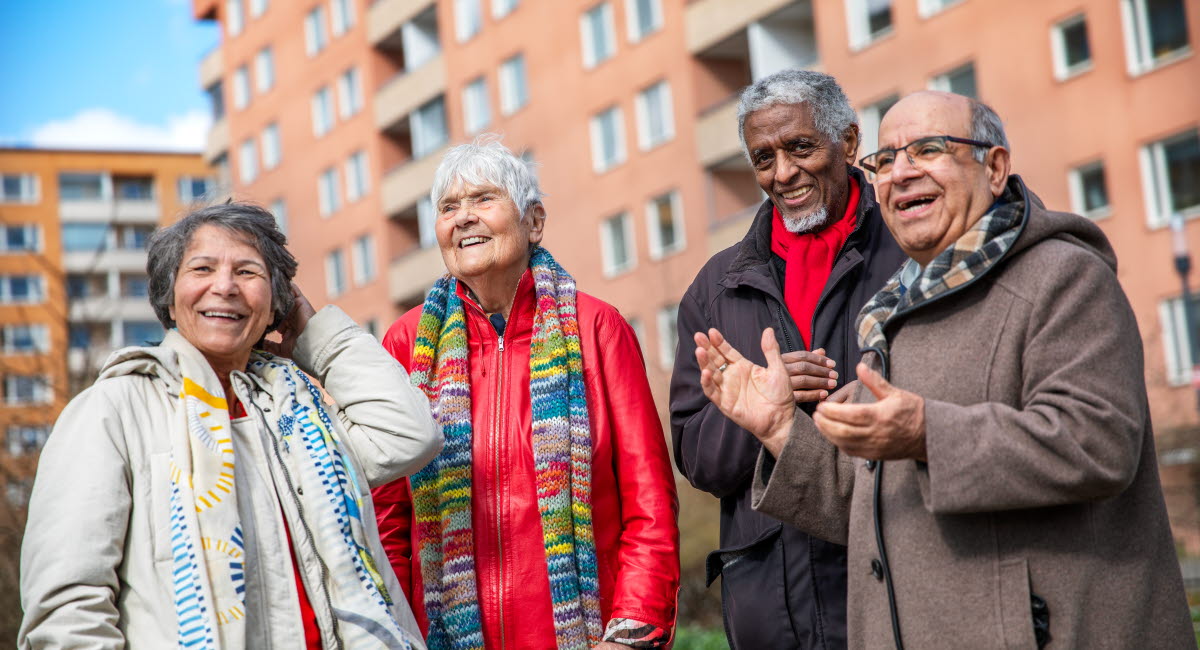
(753, 593)
(1016, 611)
(160, 505)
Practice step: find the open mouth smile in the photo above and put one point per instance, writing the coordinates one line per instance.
(467, 242)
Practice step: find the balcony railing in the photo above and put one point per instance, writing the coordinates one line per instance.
(708, 22)
(717, 134)
(404, 185)
(413, 274)
(407, 91)
(386, 17)
(218, 140)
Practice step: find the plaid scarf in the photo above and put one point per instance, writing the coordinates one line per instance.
(968, 258)
(562, 458)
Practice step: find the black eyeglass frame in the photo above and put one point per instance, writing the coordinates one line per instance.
(862, 162)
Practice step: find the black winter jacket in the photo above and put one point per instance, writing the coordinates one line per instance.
(780, 587)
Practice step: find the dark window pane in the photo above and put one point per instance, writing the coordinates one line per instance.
(84, 236)
(79, 186)
(879, 15)
(80, 336)
(1168, 26)
(1095, 192)
(142, 332)
(77, 286)
(1183, 172)
(135, 188)
(962, 80)
(12, 187)
(1075, 44)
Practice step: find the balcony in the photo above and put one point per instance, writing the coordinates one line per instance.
(717, 135)
(218, 141)
(412, 274)
(405, 92)
(211, 68)
(120, 259)
(385, 18)
(103, 308)
(731, 230)
(751, 39)
(405, 185)
(708, 22)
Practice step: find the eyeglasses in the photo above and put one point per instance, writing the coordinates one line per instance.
(920, 153)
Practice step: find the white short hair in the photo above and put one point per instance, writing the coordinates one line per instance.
(487, 162)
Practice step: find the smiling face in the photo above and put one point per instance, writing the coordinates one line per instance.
(928, 209)
(222, 297)
(481, 233)
(800, 168)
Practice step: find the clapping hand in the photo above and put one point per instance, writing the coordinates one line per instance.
(891, 428)
(758, 399)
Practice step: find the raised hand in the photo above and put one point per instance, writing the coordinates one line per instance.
(891, 428)
(758, 399)
(292, 327)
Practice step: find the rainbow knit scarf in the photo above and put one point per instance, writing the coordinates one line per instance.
(562, 458)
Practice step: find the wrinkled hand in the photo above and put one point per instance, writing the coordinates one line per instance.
(609, 645)
(758, 399)
(812, 374)
(292, 327)
(891, 428)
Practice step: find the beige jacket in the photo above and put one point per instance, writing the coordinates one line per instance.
(1042, 477)
(96, 561)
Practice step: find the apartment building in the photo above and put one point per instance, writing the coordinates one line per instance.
(335, 114)
(73, 285)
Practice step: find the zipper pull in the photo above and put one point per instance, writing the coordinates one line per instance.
(502, 343)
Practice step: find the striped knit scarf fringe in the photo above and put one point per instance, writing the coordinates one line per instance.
(562, 459)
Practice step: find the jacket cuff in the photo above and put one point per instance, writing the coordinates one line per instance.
(636, 634)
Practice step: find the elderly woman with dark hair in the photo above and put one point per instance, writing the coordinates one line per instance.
(168, 490)
(549, 521)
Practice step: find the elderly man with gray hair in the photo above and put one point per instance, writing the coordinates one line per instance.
(815, 252)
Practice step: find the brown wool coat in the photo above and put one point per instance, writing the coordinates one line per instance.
(1042, 477)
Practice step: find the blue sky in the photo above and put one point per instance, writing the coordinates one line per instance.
(116, 74)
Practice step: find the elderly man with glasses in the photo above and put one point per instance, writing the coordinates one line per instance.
(993, 471)
(815, 252)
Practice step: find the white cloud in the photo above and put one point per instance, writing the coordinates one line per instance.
(101, 128)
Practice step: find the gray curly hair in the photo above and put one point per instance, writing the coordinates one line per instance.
(830, 108)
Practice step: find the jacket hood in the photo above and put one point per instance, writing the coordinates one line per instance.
(1042, 224)
(160, 362)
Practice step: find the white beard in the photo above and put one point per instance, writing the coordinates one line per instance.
(814, 221)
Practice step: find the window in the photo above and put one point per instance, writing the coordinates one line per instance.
(642, 18)
(664, 217)
(18, 188)
(868, 20)
(927, 8)
(233, 17)
(428, 124)
(668, 335)
(136, 237)
(960, 80)
(135, 286)
(328, 198)
(270, 147)
(476, 112)
(241, 87)
(1171, 173)
(655, 119)
(79, 336)
(27, 389)
(1069, 46)
(350, 95)
(322, 112)
(216, 98)
(468, 19)
(363, 257)
(193, 188)
(1155, 32)
(514, 85)
(426, 222)
(341, 13)
(257, 8)
(264, 70)
(81, 187)
(315, 38)
(25, 439)
(608, 139)
(279, 209)
(142, 332)
(335, 274)
(84, 236)
(868, 124)
(616, 245)
(78, 286)
(1177, 346)
(371, 326)
(596, 30)
(23, 238)
(134, 188)
(358, 180)
(1089, 192)
(639, 331)
(25, 339)
(247, 161)
(502, 8)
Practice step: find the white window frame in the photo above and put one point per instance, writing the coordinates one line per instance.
(599, 163)
(247, 161)
(646, 139)
(38, 294)
(654, 236)
(241, 87)
(329, 199)
(279, 211)
(592, 57)
(335, 274)
(257, 8)
(362, 260)
(14, 440)
(42, 391)
(272, 152)
(668, 335)
(869, 118)
(358, 181)
(612, 267)
(29, 189)
(235, 20)
(1177, 347)
(468, 19)
(858, 24)
(322, 111)
(942, 81)
(39, 333)
(426, 222)
(350, 93)
(502, 8)
(316, 39)
(1058, 48)
(1155, 181)
(477, 110)
(633, 24)
(185, 183)
(264, 70)
(32, 232)
(341, 16)
(929, 8)
(421, 131)
(514, 84)
(1135, 24)
(1076, 190)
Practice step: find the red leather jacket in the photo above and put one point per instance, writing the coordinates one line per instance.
(634, 503)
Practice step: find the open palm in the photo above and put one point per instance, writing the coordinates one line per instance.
(755, 398)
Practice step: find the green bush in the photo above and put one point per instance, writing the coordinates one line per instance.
(697, 638)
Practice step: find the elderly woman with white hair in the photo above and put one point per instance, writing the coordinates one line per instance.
(200, 494)
(549, 519)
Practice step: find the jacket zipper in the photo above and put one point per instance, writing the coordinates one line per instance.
(500, 374)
